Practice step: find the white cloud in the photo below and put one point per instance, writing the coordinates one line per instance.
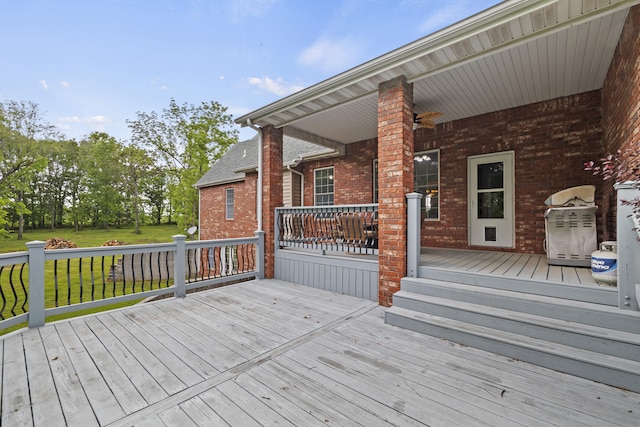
(64, 84)
(44, 84)
(96, 120)
(277, 87)
(331, 55)
(221, 77)
(73, 119)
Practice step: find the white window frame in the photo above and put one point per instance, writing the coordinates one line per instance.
(315, 186)
(229, 204)
(424, 196)
(424, 200)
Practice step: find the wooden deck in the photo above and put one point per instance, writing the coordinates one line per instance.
(270, 352)
(509, 264)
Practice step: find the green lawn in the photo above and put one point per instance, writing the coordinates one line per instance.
(83, 239)
(89, 238)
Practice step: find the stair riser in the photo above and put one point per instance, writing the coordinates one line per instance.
(593, 294)
(598, 344)
(559, 309)
(562, 363)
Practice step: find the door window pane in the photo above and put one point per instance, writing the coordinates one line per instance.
(490, 175)
(491, 204)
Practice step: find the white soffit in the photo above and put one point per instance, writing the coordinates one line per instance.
(516, 53)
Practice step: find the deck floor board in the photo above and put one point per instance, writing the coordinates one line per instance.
(510, 264)
(229, 356)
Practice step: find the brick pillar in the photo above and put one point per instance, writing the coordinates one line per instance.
(271, 191)
(395, 180)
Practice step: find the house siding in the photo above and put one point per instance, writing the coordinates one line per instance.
(621, 107)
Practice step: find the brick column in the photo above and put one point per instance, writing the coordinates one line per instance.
(395, 180)
(271, 191)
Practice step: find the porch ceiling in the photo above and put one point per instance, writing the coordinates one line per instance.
(516, 53)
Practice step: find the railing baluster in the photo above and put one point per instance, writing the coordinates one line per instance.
(104, 282)
(55, 280)
(69, 281)
(13, 290)
(151, 269)
(80, 274)
(24, 288)
(166, 263)
(93, 283)
(4, 298)
(133, 275)
(113, 273)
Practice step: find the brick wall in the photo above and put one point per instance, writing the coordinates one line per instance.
(213, 222)
(551, 141)
(353, 183)
(621, 105)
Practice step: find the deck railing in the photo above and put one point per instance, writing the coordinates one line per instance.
(344, 228)
(38, 283)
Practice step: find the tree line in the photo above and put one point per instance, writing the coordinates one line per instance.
(49, 181)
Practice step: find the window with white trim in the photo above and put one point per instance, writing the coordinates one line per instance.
(229, 203)
(426, 172)
(323, 186)
(426, 168)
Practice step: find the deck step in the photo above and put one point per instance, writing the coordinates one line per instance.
(593, 365)
(594, 338)
(569, 310)
(604, 295)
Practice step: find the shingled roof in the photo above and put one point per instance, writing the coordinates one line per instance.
(243, 157)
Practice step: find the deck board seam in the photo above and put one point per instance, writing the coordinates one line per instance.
(230, 373)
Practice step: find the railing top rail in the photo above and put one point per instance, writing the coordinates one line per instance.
(14, 258)
(334, 208)
(57, 254)
(221, 242)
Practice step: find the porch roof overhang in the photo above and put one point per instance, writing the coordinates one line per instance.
(516, 53)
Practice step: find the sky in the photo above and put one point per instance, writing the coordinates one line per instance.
(91, 65)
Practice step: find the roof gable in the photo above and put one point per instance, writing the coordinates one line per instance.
(243, 157)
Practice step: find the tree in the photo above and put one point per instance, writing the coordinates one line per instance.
(138, 164)
(20, 158)
(187, 139)
(155, 193)
(102, 177)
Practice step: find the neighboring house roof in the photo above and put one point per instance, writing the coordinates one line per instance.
(516, 53)
(243, 157)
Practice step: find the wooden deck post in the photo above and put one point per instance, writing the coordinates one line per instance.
(628, 249)
(179, 266)
(260, 255)
(36, 283)
(413, 233)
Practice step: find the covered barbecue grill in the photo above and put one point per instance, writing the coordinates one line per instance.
(570, 226)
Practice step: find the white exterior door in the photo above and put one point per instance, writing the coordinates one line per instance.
(491, 200)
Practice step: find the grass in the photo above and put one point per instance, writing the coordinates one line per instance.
(89, 238)
(84, 239)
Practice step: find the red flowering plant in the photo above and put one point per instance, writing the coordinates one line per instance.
(620, 167)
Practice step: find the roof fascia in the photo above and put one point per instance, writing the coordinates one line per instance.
(214, 184)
